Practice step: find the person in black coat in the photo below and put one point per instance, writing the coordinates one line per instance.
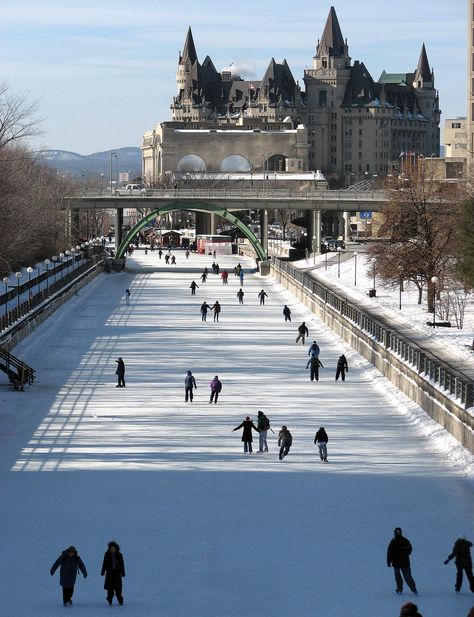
(114, 569)
(247, 425)
(204, 308)
(314, 362)
(193, 287)
(321, 440)
(120, 372)
(341, 368)
(70, 563)
(302, 332)
(409, 610)
(287, 313)
(240, 296)
(262, 295)
(461, 554)
(285, 441)
(398, 557)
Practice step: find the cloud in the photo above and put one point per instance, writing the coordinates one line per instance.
(244, 69)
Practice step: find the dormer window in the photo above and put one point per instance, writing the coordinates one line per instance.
(325, 63)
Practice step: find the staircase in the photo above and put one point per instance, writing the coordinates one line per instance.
(17, 371)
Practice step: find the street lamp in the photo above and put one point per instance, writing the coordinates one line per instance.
(18, 277)
(434, 280)
(338, 261)
(67, 262)
(29, 270)
(54, 259)
(400, 270)
(46, 263)
(355, 268)
(5, 281)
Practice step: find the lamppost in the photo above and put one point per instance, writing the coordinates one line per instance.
(373, 262)
(29, 270)
(18, 277)
(112, 155)
(338, 262)
(54, 259)
(5, 281)
(67, 262)
(400, 270)
(355, 268)
(434, 280)
(61, 257)
(46, 263)
(314, 250)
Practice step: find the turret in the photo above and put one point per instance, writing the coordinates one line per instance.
(186, 60)
(332, 51)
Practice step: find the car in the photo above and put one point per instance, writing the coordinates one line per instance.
(335, 245)
(327, 239)
(132, 189)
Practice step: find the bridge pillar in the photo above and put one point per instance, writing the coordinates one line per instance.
(347, 226)
(264, 229)
(204, 224)
(118, 227)
(313, 231)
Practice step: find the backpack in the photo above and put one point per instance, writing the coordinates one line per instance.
(266, 423)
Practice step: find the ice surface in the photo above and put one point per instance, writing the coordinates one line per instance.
(206, 530)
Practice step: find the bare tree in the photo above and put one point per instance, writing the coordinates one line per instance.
(18, 117)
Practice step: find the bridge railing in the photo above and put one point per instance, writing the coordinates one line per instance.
(426, 364)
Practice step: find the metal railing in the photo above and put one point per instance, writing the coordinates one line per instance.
(425, 363)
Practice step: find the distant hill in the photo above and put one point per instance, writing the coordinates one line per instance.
(92, 165)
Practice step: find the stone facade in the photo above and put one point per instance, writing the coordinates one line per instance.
(355, 128)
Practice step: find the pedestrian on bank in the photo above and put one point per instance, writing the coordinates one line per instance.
(224, 277)
(262, 295)
(114, 570)
(287, 313)
(409, 610)
(216, 389)
(240, 296)
(314, 362)
(120, 372)
(398, 557)
(193, 288)
(127, 297)
(204, 308)
(341, 368)
(302, 333)
(189, 384)
(321, 440)
(247, 425)
(461, 554)
(263, 425)
(216, 307)
(285, 441)
(69, 563)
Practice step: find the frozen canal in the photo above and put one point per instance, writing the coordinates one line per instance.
(205, 530)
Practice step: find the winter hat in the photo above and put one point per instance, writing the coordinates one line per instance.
(113, 543)
(409, 610)
(247, 418)
(260, 413)
(397, 531)
(283, 428)
(71, 549)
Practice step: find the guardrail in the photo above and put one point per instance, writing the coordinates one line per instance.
(425, 364)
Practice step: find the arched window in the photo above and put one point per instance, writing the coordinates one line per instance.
(276, 162)
(191, 162)
(235, 163)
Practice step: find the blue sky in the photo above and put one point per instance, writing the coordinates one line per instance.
(105, 71)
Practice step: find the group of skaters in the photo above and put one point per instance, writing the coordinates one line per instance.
(70, 563)
(190, 385)
(314, 363)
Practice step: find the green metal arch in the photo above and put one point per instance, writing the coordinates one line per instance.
(200, 208)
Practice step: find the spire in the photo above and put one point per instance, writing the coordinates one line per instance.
(423, 71)
(189, 52)
(332, 41)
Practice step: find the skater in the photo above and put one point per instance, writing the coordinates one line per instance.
(409, 610)
(213, 267)
(224, 277)
(247, 425)
(302, 333)
(237, 269)
(398, 557)
(217, 268)
(127, 297)
(204, 308)
(241, 277)
(203, 277)
(321, 440)
(287, 313)
(187, 254)
(461, 554)
(262, 295)
(263, 425)
(114, 569)
(189, 384)
(167, 258)
(120, 372)
(240, 296)
(160, 253)
(214, 254)
(216, 388)
(70, 563)
(314, 362)
(341, 368)
(285, 440)
(313, 351)
(193, 288)
(216, 307)
(173, 260)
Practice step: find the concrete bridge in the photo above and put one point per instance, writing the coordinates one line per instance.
(210, 202)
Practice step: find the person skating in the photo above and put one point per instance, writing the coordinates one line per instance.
(321, 440)
(302, 333)
(120, 372)
(193, 288)
(314, 362)
(216, 388)
(410, 610)
(70, 563)
(313, 351)
(127, 297)
(173, 260)
(217, 268)
(203, 277)
(287, 313)
(241, 277)
(160, 253)
(213, 266)
(263, 425)
(216, 307)
(167, 258)
(224, 277)
(398, 557)
(262, 295)
(204, 308)
(247, 425)
(114, 569)
(187, 254)
(189, 384)
(461, 554)
(341, 368)
(285, 440)
(240, 296)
